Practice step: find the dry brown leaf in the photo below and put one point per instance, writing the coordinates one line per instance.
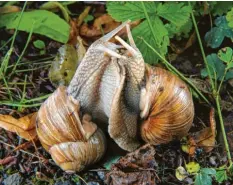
(101, 25)
(205, 138)
(25, 126)
(135, 168)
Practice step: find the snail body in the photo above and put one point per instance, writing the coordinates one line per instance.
(116, 88)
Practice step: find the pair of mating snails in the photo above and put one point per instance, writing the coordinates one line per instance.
(113, 86)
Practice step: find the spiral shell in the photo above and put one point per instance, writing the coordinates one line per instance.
(167, 107)
(72, 143)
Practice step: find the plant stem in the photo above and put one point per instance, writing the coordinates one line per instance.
(150, 25)
(24, 49)
(215, 92)
(177, 72)
(202, 49)
(217, 100)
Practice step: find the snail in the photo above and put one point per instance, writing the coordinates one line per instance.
(113, 88)
(73, 143)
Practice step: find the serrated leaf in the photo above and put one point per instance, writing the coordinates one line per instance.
(176, 13)
(161, 43)
(178, 32)
(45, 23)
(122, 11)
(221, 7)
(208, 171)
(216, 67)
(215, 36)
(225, 54)
(221, 176)
(203, 179)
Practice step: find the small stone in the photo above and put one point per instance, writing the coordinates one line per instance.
(93, 183)
(15, 179)
(101, 175)
(64, 183)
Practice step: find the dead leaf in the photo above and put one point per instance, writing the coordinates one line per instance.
(204, 138)
(135, 168)
(9, 9)
(73, 33)
(25, 126)
(101, 25)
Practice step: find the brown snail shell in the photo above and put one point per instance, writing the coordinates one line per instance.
(167, 107)
(72, 143)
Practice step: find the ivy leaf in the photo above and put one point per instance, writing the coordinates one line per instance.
(122, 11)
(221, 176)
(176, 13)
(45, 23)
(216, 35)
(216, 67)
(161, 43)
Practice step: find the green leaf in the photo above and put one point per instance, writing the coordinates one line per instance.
(229, 75)
(208, 171)
(45, 23)
(203, 179)
(192, 167)
(178, 32)
(39, 44)
(216, 35)
(122, 11)
(161, 43)
(110, 161)
(221, 176)
(88, 18)
(216, 67)
(225, 54)
(176, 13)
(229, 18)
(221, 7)
(53, 5)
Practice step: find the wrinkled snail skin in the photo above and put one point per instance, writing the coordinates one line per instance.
(73, 143)
(108, 89)
(167, 107)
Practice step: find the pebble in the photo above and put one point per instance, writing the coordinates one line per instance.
(15, 179)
